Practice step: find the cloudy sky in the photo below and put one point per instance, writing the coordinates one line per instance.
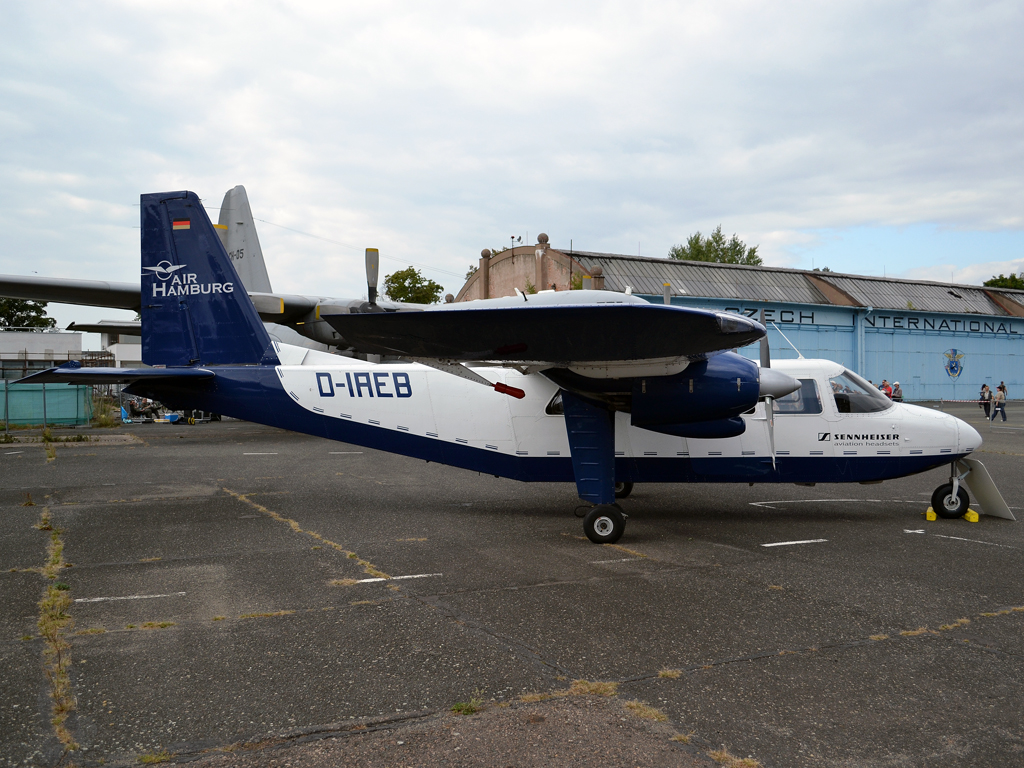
(869, 137)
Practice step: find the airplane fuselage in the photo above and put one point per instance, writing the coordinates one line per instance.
(417, 411)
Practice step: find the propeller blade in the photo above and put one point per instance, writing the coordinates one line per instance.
(766, 359)
(372, 260)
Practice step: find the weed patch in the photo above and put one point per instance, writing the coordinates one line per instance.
(468, 708)
(157, 624)
(879, 637)
(640, 709)
(55, 623)
(723, 757)
(916, 632)
(155, 757)
(265, 615)
(670, 674)
(956, 624)
(682, 738)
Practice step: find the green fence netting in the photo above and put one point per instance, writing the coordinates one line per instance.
(68, 405)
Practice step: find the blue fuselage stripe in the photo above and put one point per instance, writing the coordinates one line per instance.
(255, 394)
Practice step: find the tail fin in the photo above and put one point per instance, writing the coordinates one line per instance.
(194, 310)
(238, 233)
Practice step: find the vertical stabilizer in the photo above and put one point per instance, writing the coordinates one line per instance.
(195, 311)
(243, 246)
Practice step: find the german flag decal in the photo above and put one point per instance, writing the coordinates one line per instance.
(181, 224)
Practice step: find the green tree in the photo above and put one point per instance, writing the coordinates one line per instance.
(409, 285)
(1006, 282)
(19, 313)
(716, 248)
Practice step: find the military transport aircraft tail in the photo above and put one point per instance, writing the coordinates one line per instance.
(237, 232)
(195, 310)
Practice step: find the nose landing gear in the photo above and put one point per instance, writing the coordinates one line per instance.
(604, 524)
(948, 503)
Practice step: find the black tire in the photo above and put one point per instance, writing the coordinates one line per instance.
(622, 490)
(947, 507)
(604, 524)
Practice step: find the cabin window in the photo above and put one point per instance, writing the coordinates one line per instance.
(854, 395)
(803, 400)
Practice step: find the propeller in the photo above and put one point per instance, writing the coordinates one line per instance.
(372, 260)
(769, 400)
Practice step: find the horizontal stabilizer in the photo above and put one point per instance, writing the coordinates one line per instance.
(559, 335)
(74, 373)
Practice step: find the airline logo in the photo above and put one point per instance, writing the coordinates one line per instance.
(173, 283)
(164, 269)
(177, 224)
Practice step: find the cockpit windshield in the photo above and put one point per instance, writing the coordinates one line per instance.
(854, 395)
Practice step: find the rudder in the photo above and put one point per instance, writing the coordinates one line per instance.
(195, 310)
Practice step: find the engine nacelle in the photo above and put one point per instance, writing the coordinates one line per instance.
(718, 389)
(705, 430)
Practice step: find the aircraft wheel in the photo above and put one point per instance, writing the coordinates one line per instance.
(946, 505)
(604, 524)
(622, 490)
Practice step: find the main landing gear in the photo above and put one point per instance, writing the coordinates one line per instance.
(604, 524)
(950, 501)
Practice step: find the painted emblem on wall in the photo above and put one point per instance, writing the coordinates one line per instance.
(953, 365)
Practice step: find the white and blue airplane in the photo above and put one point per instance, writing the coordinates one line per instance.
(594, 387)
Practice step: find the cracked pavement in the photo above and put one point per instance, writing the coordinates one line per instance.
(251, 555)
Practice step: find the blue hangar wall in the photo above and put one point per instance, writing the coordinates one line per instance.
(932, 355)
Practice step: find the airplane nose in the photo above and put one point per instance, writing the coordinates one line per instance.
(776, 384)
(968, 438)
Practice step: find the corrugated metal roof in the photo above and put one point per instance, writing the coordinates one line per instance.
(775, 284)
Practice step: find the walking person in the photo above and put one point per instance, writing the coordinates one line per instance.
(985, 400)
(999, 400)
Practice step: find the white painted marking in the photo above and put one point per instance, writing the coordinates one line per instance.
(905, 530)
(129, 597)
(788, 543)
(11, 453)
(259, 454)
(621, 560)
(344, 453)
(796, 501)
(398, 578)
(973, 541)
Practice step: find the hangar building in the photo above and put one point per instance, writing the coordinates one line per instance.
(939, 340)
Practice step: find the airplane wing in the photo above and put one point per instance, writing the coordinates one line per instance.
(89, 293)
(559, 335)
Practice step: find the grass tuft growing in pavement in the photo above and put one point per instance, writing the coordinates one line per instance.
(585, 687)
(682, 738)
(157, 624)
(956, 624)
(265, 615)
(468, 707)
(670, 674)
(155, 757)
(723, 757)
(55, 623)
(645, 711)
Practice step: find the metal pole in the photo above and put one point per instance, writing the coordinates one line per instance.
(7, 409)
(44, 406)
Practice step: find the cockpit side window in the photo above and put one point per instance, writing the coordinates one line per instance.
(854, 395)
(803, 400)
